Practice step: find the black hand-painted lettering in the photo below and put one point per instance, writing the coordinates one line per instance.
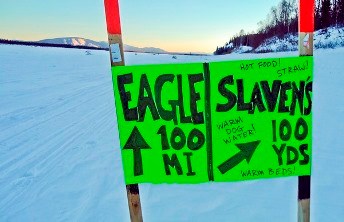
(129, 114)
(241, 105)
(159, 83)
(199, 136)
(183, 117)
(285, 130)
(172, 162)
(178, 138)
(279, 152)
(291, 159)
(301, 123)
(271, 95)
(189, 165)
(282, 108)
(298, 96)
(257, 99)
(146, 101)
(303, 149)
(197, 117)
(309, 89)
(230, 96)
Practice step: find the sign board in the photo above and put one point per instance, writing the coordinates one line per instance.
(218, 121)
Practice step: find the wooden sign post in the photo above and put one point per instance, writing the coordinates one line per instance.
(306, 29)
(117, 59)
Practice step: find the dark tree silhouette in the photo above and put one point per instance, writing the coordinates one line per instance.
(340, 18)
(325, 13)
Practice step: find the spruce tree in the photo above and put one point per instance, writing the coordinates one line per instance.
(325, 13)
(340, 18)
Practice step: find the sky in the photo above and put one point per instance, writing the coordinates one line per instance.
(173, 25)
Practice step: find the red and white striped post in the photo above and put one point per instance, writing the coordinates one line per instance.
(113, 23)
(117, 59)
(306, 29)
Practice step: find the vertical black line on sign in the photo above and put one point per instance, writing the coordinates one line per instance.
(208, 122)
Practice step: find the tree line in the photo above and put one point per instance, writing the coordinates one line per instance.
(329, 13)
(283, 19)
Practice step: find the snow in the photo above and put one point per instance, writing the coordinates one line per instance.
(60, 157)
(242, 49)
(75, 42)
(329, 38)
(81, 41)
(332, 37)
(275, 44)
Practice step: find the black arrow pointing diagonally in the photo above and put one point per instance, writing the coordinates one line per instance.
(246, 152)
(136, 142)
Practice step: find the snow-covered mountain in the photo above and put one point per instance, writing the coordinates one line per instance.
(130, 48)
(77, 41)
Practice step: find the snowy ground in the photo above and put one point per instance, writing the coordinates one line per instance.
(331, 37)
(60, 159)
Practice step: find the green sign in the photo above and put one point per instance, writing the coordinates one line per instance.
(219, 121)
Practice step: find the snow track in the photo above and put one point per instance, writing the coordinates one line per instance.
(48, 138)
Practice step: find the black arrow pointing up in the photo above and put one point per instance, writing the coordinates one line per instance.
(246, 152)
(136, 142)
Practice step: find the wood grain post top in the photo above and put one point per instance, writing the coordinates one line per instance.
(116, 49)
(306, 43)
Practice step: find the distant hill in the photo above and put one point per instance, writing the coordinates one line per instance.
(77, 41)
(130, 48)
(42, 44)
